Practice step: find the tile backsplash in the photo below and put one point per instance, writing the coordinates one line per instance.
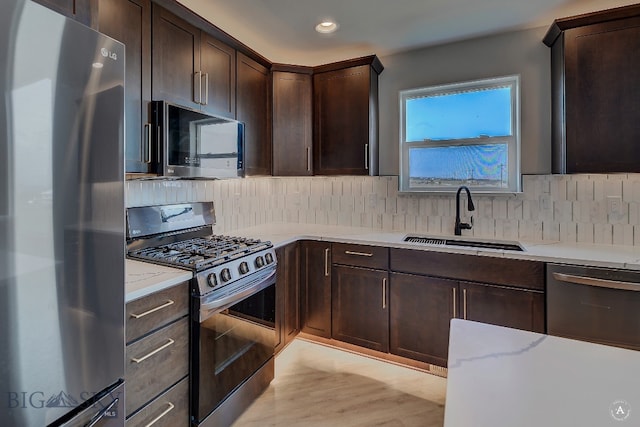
(603, 209)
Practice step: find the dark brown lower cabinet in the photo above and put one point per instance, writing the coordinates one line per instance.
(497, 305)
(287, 302)
(360, 306)
(421, 309)
(315, 288)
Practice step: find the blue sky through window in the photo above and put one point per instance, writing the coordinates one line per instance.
(459, 115)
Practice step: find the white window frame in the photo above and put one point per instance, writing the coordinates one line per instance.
(513, 141)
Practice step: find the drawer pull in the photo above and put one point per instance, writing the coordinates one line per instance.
(599, 283)
(165, 412)
(358, 253)
(153, 310)
(157, 350)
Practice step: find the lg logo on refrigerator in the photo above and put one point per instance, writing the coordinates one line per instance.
(108, 54)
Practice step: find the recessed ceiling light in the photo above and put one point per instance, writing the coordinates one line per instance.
(97, 65)
(326, 27)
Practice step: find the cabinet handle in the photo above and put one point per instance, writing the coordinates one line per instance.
(101, 414)
(384, 293)
(146, 147)
(326, 262)
(308, 159)
(165, 412)
(206, 89)
(153, 310)
(157, 350)
(599, 283)
(454, 303)
(464, 304)
(366, 156)
(358, 253)
(197, 79)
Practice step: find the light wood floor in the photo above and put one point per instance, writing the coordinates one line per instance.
(316, 385)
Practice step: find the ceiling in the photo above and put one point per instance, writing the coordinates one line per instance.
(283, 30)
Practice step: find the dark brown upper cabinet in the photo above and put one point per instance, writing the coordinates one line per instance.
(253, 108)
(85, 11)
(129, 21)
(292, 122)
(346, 117)
(190, 67)
(595, 91)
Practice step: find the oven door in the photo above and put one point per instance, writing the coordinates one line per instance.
(230, 346)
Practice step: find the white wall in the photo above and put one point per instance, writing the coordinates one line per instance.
(518, 52)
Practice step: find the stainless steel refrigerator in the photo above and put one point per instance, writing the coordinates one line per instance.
(61, 221)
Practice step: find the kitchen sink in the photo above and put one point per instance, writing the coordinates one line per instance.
(486, 244)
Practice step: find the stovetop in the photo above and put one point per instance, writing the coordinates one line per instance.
(200, 253)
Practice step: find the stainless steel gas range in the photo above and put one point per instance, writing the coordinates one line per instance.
(233, 301)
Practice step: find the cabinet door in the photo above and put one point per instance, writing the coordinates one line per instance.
(315, 288)
(421, 308)
(253, 109)
(360, 313)
(129, 21)
(175, 59)
(501, 306)
(292, 124)
(287, 304)
(342, 125)
(218, 65)
(84, 11)
(601, 100)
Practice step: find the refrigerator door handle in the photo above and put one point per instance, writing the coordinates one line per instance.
(101, 414)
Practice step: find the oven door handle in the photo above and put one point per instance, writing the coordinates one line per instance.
(216, 305)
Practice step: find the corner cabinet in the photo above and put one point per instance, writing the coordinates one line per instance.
(315, 288)
(287, 301)
(346, 117)
(595, 91)
(292, 122)
(129, 21)
(84, 11)
(190, 67)
(253, 107)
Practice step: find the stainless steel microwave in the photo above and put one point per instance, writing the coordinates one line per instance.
(197, 145)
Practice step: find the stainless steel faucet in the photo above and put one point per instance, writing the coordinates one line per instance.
(463, 225)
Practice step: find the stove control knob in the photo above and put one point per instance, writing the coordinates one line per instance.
(243, 268)
(212, 280)
(259, 262)
(268, 258)
(225, 275)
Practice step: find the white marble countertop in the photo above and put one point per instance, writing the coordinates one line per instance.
(143, 278)
(502, 377)
(627, 257)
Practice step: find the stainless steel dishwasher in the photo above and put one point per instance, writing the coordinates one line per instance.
(600, 305)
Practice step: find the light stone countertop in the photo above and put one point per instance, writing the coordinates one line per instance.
(145, 278)
(280, 234)
(502, 377)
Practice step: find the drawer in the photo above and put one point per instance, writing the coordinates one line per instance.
(360, 255)
(170, 409)
(156, 310)
(499, 271)
(156, 362)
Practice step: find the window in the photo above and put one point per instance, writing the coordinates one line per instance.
(461, 134)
